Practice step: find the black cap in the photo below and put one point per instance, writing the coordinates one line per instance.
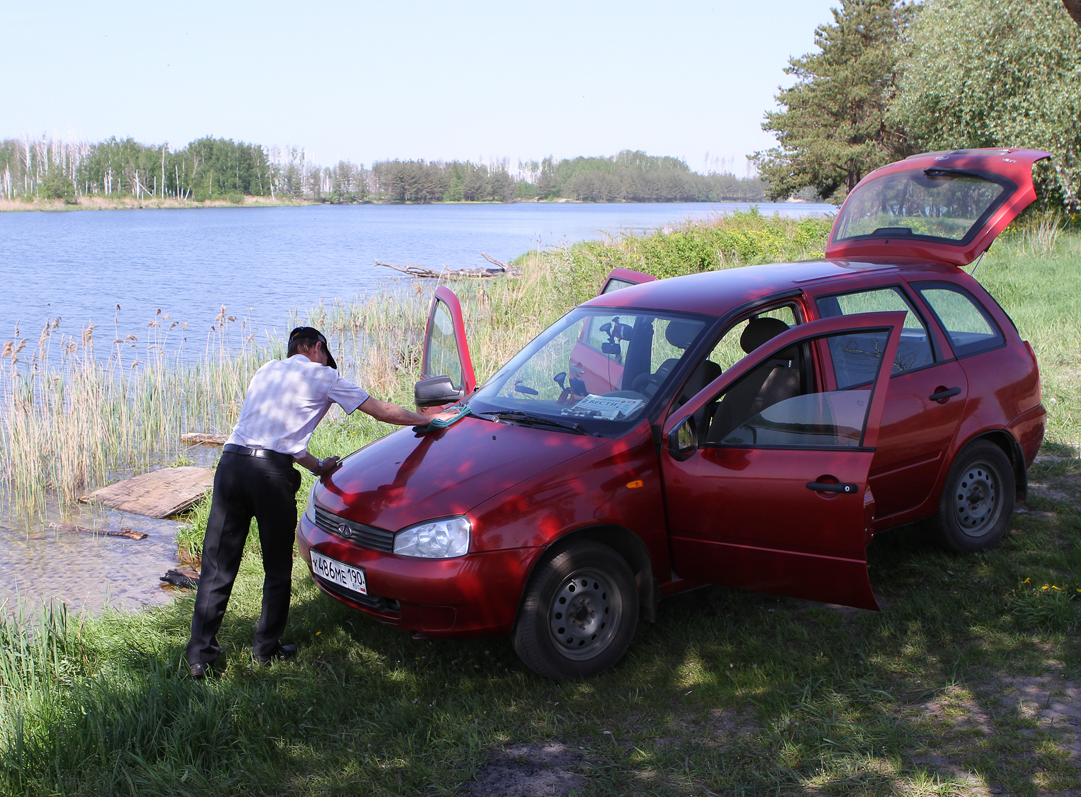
(311, 333)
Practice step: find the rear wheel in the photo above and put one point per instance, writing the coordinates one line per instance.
(579, 613)
(977, 501)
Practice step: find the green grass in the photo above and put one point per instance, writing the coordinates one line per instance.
(951, 690)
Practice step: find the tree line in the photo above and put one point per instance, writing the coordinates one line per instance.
(892, 78)
(216, 168)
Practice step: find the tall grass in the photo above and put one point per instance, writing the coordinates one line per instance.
(70, 420)
(731, 693)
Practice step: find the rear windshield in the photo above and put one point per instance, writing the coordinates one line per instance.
(932, 204)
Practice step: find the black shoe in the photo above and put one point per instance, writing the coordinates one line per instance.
(199, 671)
(280, 653)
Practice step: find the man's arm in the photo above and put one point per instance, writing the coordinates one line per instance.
(316, 466)
(392, 413)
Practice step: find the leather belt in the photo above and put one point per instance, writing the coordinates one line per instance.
(263, 453)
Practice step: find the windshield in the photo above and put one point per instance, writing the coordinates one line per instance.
(936, 204)
(598, 368)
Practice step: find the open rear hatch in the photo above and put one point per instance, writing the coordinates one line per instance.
(943, 207)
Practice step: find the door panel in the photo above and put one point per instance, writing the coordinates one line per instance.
(779, 502)
(446, 351)
(623, 278)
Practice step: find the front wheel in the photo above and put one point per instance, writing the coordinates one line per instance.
(579, 613)
(977, 501)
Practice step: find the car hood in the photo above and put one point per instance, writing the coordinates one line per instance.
(405, 477)
(944, 207)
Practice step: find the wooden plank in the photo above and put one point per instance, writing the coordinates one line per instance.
(157, 494)
(201, 439)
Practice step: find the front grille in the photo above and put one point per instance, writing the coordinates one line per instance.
(376, 603)
(356, 533)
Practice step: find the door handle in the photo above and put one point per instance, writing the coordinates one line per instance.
(943, 394)
(827, 487)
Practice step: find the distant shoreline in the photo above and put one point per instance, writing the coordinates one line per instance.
(131, 203)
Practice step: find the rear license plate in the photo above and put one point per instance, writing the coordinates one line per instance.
(343, 575)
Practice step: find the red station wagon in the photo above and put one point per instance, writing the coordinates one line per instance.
(752, 427)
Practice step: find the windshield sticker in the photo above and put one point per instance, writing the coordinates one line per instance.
(604, 407)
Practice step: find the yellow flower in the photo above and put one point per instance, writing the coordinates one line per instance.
(1026, 580)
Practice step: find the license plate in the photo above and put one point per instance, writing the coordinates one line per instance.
(343, 575)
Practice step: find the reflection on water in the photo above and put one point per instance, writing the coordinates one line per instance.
(86, 571)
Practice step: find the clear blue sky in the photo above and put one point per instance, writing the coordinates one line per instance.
(367, 81)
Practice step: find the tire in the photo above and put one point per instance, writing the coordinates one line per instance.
(579, 613)
(977, 501)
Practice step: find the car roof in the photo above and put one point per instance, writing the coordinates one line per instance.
(717, 292)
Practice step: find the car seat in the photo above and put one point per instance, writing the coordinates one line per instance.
(681, 335)
(774, 380)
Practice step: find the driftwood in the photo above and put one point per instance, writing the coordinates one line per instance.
(492, 260)
(200, 439)
(424, 272)
(185, 579)
(131, 534)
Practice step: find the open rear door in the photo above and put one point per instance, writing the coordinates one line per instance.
(624, 278)
(446, 352)
(766, 489)
(941, 207)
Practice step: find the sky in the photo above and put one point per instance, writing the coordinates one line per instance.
(408, 79)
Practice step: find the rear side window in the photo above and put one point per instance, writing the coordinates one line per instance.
(967, 325)
(854, 362)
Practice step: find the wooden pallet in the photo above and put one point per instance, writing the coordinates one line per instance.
(157, 494)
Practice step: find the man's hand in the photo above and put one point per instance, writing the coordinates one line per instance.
(317, 466)
(446, 415)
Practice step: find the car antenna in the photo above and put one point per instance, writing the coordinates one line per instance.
(978, 261)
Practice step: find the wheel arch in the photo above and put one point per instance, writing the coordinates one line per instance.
(625, 543)
(1012, 449)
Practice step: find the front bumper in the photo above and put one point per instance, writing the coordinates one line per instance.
(469, 596)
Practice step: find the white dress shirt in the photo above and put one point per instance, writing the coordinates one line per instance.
(285, 401)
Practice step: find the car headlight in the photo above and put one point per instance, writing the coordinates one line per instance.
(435, 539)
(309, 510)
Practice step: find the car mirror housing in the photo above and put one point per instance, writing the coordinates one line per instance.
(436, 391)
(683, 440)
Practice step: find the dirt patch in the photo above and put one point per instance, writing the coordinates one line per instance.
(528, 770)
(1053, 703)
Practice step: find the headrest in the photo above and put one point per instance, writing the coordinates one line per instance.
(759, 331)
(681, 334)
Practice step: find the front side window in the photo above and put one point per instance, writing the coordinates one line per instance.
(597, 367)
(851, 365)
(944, 205)
(770, 407)
(442, 353)
(967, 325)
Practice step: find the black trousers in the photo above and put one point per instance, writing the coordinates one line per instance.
(246, 487)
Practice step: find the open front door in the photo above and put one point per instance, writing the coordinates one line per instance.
(765, 471)
(446, 352)
(624, 278)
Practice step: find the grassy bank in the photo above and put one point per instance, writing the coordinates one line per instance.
(966, 684)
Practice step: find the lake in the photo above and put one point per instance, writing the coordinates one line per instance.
(263, 263)
(258, 262)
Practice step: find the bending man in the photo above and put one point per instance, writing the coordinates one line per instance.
(285, 401)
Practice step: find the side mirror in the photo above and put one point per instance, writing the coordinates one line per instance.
(436, 391)
(683, 440)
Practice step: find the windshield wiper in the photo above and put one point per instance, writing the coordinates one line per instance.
(524, 418)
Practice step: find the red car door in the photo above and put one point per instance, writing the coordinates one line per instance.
(446, 352)
(771, 494)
